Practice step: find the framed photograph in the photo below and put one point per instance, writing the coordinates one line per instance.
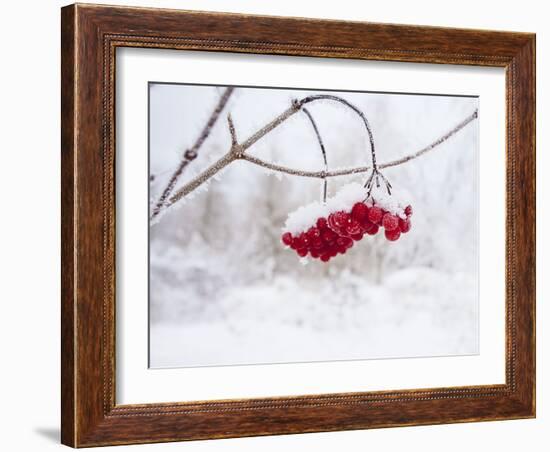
(281, 225)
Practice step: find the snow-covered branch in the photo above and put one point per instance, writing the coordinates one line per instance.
(235, 152)
(238, 151)
(360, 169)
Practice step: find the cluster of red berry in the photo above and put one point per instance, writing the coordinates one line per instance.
(337, 233)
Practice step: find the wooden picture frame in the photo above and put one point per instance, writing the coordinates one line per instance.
(90, 36)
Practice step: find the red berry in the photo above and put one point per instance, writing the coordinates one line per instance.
(296, 243)
(304, 240)
(332, 223)
(392, 236)
(353, 227)
(316, 243)
(302, 252)
(373, 230)
(287, 238)
(344, 241)
(375, 214)
(322, 223)
(357, 237)
(408, 210)
(313, 233)
(342, 218)
(329, 236)
(404, 225)
(365, 226)
(338, 220)
(390, 222)
(359, 212)
(315, 254)
(325, 257)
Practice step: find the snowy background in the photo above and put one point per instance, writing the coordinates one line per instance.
(224, 291)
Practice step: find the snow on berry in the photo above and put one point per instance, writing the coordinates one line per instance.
(323, 231)
(395, 203)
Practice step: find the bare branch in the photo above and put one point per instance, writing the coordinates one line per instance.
(235, 155)
(270, 126)
(237, 152)
(297, 172)
(191, 153)
(436, 143)
(209, 172)
(359, 169)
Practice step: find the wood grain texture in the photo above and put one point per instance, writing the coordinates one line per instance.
(68, 147)
(90, 36)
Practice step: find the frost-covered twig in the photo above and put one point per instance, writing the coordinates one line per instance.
(352, 107)
(436, 143)
(359, 169)
(323, 151)
(232, 131)
(191, 153)
(237, 151)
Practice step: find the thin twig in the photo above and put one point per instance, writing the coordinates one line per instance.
(436, 143)
(298, 172)
(232, 131)
(322, 146)
(237, 152)
(376, 176)
(191, 153)
(352, 107)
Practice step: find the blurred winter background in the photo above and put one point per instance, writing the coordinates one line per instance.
(224, 291)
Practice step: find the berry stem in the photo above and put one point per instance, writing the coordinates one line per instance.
(322, 146)
(353, 108)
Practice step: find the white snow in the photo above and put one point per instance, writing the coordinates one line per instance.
(304, 217)
(415, 312)
(395, 203)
